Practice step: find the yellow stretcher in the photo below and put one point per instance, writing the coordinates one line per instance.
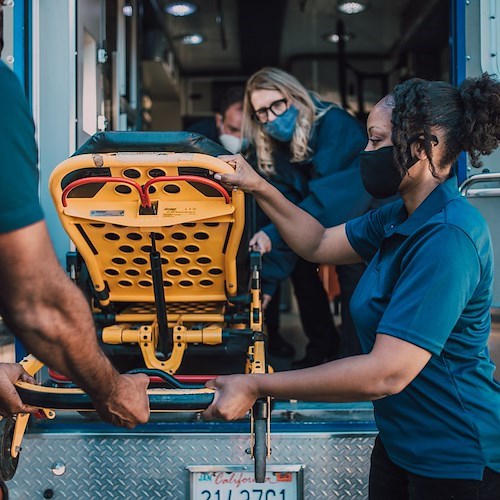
(159, 239)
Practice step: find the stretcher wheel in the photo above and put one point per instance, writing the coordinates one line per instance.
(260, 450)
(4, 492)
(8, 465)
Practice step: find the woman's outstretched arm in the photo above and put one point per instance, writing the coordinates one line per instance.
(390, 366)
(302, 232)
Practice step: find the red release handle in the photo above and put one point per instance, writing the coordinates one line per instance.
(143, 190)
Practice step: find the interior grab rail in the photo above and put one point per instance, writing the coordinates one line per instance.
(467, 190)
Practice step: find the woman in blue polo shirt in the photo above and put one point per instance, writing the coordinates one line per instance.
(422, 307)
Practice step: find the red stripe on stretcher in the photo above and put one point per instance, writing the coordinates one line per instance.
(58, 377)
(189, 379)
(185, 379)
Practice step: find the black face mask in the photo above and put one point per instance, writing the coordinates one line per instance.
(380, 173)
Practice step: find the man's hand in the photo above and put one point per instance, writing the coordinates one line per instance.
(260, 242)
(10, 402)
(128, 403)
(244, 177)
(234, 396)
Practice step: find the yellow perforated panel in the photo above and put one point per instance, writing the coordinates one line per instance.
(197, 233)
(191, 254)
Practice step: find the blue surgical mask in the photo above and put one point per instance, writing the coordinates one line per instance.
(283, 126)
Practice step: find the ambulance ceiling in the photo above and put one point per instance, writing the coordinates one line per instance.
(242, 35)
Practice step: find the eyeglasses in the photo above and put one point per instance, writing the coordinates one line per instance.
(277, 108)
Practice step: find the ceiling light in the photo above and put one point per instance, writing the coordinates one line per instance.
(181, 9)
(191, 39)
(128, 10)
(351, 7)
(335, 37)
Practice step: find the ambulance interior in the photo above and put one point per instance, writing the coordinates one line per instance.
(161, 65)
(91, 66)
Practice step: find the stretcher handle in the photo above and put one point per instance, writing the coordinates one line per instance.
(144, 195)
(188, 178)
(170, 380)
(76, 399)
(177, 382)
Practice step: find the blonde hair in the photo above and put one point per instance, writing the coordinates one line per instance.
(296, 94)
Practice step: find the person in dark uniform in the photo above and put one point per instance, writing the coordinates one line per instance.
(421, 308)
(38, 302)
(308, 149)
(225, 126)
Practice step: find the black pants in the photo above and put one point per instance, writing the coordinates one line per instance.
(348, 275)
(325, 341)
(390, 482)
(314, 310)
(272, 313)
(315, 314)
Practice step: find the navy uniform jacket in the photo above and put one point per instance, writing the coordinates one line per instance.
(206, 127)
(328, 185)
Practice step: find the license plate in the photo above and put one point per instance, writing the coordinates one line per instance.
(238, 483)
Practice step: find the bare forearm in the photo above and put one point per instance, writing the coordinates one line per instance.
(58, 329)
(48, 313)
(52, 318)
(302, 232)
(62, 335)
(351, 379)
(390, 366)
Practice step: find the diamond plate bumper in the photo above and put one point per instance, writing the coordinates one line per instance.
(92, 460)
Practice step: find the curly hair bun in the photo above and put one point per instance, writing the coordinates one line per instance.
(481, 118)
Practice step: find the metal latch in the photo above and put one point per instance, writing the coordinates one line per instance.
(102, 56)
(102, 123)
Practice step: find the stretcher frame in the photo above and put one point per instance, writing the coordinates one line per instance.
(146, 204)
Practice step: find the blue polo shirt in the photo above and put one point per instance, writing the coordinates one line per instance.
(429, 282)
(19, 205)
